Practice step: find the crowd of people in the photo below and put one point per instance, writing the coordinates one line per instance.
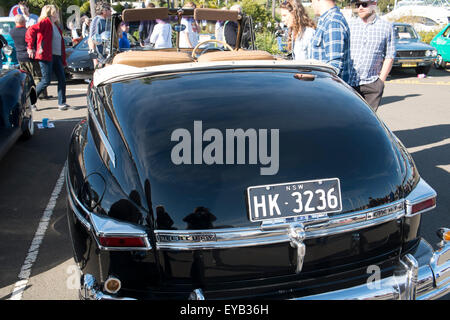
(157, 33)
(362, 50)
(40, 45)
(40, 49)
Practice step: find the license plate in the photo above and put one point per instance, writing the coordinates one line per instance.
(294, 199)
(409, 65)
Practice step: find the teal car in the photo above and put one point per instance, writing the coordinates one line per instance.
(8, 59)
(442, 44)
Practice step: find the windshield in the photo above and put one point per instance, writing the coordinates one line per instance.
(83, 45)
(169, 31)
(405, 32)
(162, 34)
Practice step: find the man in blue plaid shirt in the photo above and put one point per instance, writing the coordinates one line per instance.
(331, 41)
(372, 52)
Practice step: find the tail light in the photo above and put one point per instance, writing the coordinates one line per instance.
(422, 206)
(122, 242)
(421, 199)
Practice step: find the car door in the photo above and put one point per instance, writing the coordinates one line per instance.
(442, 44)
(445, 39)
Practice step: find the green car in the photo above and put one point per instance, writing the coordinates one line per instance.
(442, 44)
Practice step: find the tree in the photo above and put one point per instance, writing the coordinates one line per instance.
(92, 5)
(383, 5)
(85, 8)
(59, 3)
(7, 5)
(343, 3)
(258, 12)
(118, 8)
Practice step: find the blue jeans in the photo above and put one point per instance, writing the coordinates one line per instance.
(47, 67)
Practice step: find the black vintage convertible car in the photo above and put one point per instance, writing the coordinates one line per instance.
(17, 96)
(233, 175)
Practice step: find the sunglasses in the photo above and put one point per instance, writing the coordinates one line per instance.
(363, 4)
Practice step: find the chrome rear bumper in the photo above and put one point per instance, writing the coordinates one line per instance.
(424, 275)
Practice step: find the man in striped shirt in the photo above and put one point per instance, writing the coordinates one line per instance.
(372, 52)
(331, 41)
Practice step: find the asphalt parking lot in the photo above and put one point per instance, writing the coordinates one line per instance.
(35, 249)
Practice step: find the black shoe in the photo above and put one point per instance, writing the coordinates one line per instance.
(46, 98)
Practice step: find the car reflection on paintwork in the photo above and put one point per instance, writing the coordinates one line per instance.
(411, 53)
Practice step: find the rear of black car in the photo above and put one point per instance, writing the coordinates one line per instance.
(159, 166)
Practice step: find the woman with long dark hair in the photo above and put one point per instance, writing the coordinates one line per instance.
(301, 28)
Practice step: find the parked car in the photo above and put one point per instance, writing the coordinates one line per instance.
(410, 51)
(17, 96)
(442, 43)
(8, 59)
(173, 192)
(68, 42)
(79, 63)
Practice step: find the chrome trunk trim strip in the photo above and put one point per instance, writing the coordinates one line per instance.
(277, 232)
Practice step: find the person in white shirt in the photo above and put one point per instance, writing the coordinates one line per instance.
(218, 30)
(301, 28)
(189, 36)
(161, 36)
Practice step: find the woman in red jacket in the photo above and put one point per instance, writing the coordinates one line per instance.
(45, 43)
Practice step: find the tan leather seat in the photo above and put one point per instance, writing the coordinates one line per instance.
(235, 55)
(151, 58)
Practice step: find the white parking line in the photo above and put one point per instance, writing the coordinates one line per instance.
(33, 251)
(429, 146)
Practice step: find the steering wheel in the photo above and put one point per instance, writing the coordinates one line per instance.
(226, 45)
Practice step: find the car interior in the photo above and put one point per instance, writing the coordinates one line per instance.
(404, 32)
(208, 49)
